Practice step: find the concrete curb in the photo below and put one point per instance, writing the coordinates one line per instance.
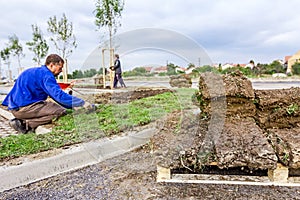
(71, 159)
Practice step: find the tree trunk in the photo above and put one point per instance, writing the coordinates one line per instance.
(65, 72)
(111, 58)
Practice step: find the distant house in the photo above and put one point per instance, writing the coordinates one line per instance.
(148, 69)
(231, 65)
(227, 65)
(156, 70)
(286, 59)
(216, 65)
(280, 61)
(161, 69)
(190, 70)
(242, 65)
(250, 65)
(180, 70)
(291, 61)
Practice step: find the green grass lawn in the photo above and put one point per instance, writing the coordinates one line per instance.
(108, 120)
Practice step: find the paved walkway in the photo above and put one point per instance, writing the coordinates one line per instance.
(5, 129)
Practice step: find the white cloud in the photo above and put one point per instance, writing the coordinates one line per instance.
(229, 30)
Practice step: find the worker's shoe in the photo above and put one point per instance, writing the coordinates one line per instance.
(18, 125)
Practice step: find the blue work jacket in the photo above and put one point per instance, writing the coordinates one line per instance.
(36, 84)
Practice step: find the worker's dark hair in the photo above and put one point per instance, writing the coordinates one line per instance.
(54, 58)
(117, 55)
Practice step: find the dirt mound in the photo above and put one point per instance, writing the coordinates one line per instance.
(181, 81)
(213, 85)
(286, 143)
(232, 94)
(278, 108)
(242, 143)
(245, 127)
(129, 95)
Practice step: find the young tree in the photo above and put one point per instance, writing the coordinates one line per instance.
(16, 49)
(62, 35)
(277, 67)
(38, 45)
(296, 68)
(171, 69)
(63, 38)
(108, 13)
(5, 56)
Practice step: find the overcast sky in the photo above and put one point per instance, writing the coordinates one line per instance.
(233, 31)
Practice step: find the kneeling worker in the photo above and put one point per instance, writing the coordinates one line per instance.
(27, 99)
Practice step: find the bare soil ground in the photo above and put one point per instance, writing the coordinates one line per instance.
(133, 175)
(128, 95)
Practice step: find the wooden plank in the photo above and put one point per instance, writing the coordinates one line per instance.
(276, 177)
(280, 174)
(213, 163)
(270, 183)
(218, 177)
(225, 179)
(163, 174)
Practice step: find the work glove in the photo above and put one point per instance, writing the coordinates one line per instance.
(89, 107)
(86, 108)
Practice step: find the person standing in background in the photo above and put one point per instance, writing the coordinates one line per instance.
(118, 72)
